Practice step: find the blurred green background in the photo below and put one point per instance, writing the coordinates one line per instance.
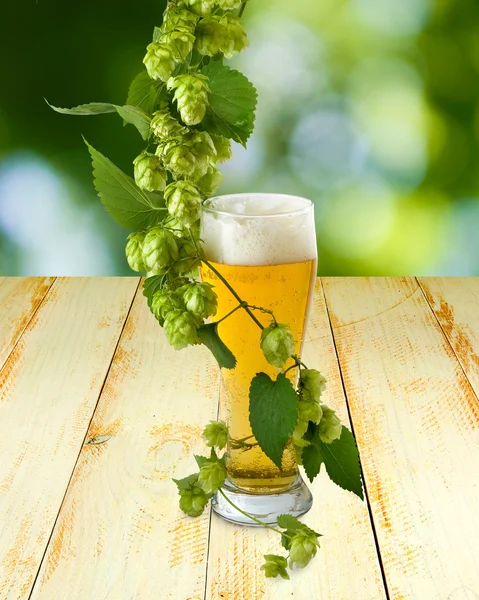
(368, 107)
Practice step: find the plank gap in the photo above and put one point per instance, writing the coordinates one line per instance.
(449, 342)
(84, 438)
(370, 513)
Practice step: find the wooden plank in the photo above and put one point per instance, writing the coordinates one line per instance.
(347, 565)
(455, 301)
(20, 297)
(416, 420)
(120, 533)
(49, 387)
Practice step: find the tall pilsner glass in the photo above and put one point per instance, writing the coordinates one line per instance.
(264, 245)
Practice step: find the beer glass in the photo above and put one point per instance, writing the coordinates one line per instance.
(264, 245)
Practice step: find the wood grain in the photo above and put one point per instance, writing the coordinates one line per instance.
(455, 301)
(120, 534)
(19, 299)
(347, 565)
(49, 387)
(416, 420)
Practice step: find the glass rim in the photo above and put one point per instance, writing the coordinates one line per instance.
(309, 205)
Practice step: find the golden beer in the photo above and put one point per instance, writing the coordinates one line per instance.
(284, 289)
(265, 247)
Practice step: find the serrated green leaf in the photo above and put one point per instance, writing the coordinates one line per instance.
(125, 202)
(232, 103)
(146, 93)
(130, 114)
(341, 459)
(187, 482)
(151, 285)
(290, 522)
(201, 460)
(92, 108)
(273, 413)
(208, 334)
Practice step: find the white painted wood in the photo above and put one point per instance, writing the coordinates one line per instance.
(49, 387)
(120, 534)
(416, 420)
(347, 565)
(19, 299)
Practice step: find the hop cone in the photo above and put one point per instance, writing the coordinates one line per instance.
(190, 156)
(187, 257)
(149, 173)
(184, 202)
(211, 37)
(180, 39)
(163, 302)
(134, 251)
(164, 126)
(312, 384)
(223, 148)
(275, 565)
(181, 329)
(160, 60)
(212, 476)
(229, 4)
(215, 434)
(178, 16)
(200, 299)
(277, 343)
(160, 250)
(303, 547)
(191, 96)
(193, 501)
(307, 411)
(200, 7)
(209, 183)
(330, 427)
(235, 34)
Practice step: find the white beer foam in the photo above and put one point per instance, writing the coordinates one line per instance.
(234, 233)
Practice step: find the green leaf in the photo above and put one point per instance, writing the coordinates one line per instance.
(341, 459)
(130, 114)
(232, 103)
(151, 285)
(201, 460)
(290, 522)
(146, 93)
(208, 334)
(137, 117)
(187, 482)
(125, 202)
(273, 413)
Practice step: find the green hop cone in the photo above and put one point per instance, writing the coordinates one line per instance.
(277, 343)
(160, 250)
(303, 547)
(200, 299)
(201, 7)
(236, 36)
(330, 427)
(181, 329)
(223, 148)
(229, 4)
(215, 434)
(209, 183)
(275, 565)
(193, 500)
(164, 126)
(190, 156)
(309, 411)
(134, 251)
(149, 173)
(181, 39)
(212, 476)
(160, 60)
(177, 15)
(311, 384)
(184, 202)
(188, 257)
(211, 37)
(191, 96)
(163, 302)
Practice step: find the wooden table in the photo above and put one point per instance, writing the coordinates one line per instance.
(97, 413)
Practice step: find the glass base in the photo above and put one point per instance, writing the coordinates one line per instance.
(295, 501)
